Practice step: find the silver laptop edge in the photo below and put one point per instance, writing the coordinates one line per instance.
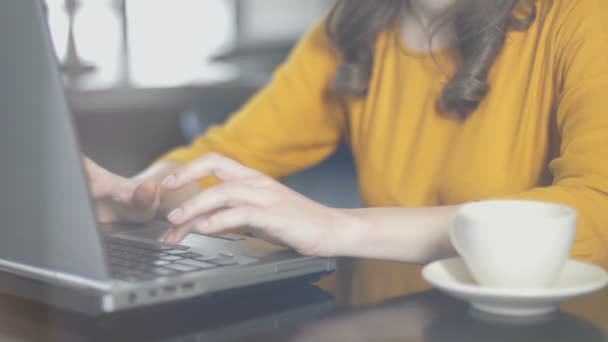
(54, 277)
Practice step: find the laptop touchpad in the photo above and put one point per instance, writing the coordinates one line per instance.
(231, 243)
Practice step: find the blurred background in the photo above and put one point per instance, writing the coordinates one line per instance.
(144, 76)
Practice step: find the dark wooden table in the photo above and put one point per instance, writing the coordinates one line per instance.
(300, 312)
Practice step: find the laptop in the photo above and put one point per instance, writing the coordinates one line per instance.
(49, 232)
(259, 313)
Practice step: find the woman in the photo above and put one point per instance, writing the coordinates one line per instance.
(442, 102)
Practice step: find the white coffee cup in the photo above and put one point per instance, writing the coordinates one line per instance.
(512, 243)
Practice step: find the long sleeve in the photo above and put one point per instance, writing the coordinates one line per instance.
(581, 170)
(289, 125)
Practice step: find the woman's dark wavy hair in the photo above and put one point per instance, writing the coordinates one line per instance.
(481, 28)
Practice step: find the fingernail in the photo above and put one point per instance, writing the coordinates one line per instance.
(175, 214)
(169, 180)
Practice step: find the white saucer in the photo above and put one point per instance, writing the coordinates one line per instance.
(577, 279)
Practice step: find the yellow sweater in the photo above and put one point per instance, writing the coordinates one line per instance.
(542, 133)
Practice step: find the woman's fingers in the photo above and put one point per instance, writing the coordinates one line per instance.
(230, 219)
(235, 203)
(219, 222)
(105, 214)
(212, 164)
(225, 195)
(146, 196)
(258, 220)
(178, 233)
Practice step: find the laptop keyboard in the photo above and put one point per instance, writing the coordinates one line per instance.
(135, 261)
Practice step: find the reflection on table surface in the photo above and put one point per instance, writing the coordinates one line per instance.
(434, 317)
(300, 313)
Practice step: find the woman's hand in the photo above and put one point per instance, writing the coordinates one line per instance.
(119, 199)
(247, 198)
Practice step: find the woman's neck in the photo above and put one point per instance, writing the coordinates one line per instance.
(429, 10)
(420, 24)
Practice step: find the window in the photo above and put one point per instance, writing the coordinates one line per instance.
(277, 20)
(168, 42)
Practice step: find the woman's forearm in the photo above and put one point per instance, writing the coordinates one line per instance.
(411, 235)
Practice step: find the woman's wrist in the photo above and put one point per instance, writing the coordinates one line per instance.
(347, 234)
(411, 235)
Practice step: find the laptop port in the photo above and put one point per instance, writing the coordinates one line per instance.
(188, 286)
(152, 293)
(170, 289)
(132, 297)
